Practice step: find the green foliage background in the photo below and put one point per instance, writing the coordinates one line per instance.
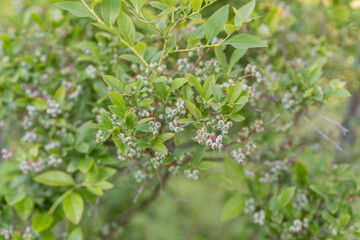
(191, 210)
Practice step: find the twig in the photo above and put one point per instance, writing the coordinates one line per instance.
(326, 137)
(272, 120)
(342, 128)
(141, 189)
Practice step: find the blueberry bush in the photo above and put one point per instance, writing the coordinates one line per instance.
(105, 102)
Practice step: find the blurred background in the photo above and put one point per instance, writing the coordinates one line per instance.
(297, 30)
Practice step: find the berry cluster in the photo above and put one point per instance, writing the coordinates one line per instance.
(53, 108)
(192, 174)
(203, 137)
(6, 154)
(259, 217)
(154, 127)
(249, 205)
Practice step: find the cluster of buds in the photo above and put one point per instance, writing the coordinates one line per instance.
(238, 156)
(259, 217)
(276, 166)
(91, 71)
(30, 110)
(183, 65)
(27, 234)
(227, 84)
(264, 177)
(301, 201)
(157, 160)
(99, 136)
(292, 100)
(249, 205)
(249, 173)
(258, 125)
(298, 225)
(253, 69)
(156, 67)
(174, 168)
(53, 108)
(51, 145)
(154, 127)
(249, 89)
(174, 126)
(192, 174)
(207, 68)
(30, 136)
(203, 137)
(6, 234)
(53, 161)
(6, 154)
(220, 125)
(140, 176)
(34, 166)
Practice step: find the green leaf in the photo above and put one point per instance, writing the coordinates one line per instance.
(110, 10)
(145, 120)
(208, 87)
(76, 8)
(76, 234)
(220, 56)
(160, 148)
(14, 196)
(205, 165)
(301, 173)
(242, 41)
(106, 120)
(24, 208)
(41, 221)
(236, 56)
(118, 111)
(127, 28)
(196, 4)
(198, 154)
(140, 48)
(244, 12)
(60, 94)
(164, 137)
(193, 110)
(114, 83)
(285, 197)
(194, 82)
(82, 147)
(169, 3)
(73, 207)
(216, 22)
(130, 120)
(344, 220)
(237, 117)
(232, 208)
(160, 87)
(138, 4)
(177, 83)
(116, 99)
(55, 178)
(234, 92)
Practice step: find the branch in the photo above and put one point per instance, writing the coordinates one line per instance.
(342, 128)
(127, 214)
(326, 137)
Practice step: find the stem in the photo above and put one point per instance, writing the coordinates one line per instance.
(166, 39)
(92, 11)
(204, 46)
(134, 51)
(62, 197)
